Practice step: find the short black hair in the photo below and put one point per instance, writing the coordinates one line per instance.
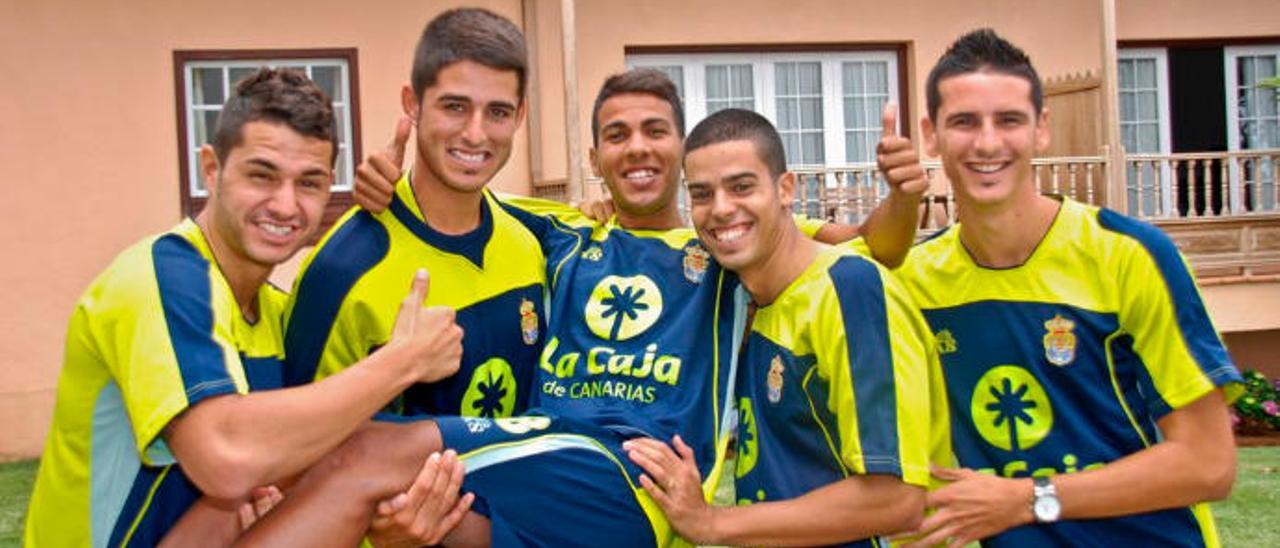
(735, 124)
(469, 34)
(977, 51)
(282, 96)
(638, 80)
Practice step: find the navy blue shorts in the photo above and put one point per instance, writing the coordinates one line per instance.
(553, 481)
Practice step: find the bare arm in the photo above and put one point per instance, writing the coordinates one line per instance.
(230, 444)
(853, 508)
(891, 228)
(1197, 443)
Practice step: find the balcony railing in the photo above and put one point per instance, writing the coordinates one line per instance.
(1221, 208)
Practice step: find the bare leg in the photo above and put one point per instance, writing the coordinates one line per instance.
(334, 501)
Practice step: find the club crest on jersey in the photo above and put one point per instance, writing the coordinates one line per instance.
(1059, 341)
(593, 253)
(775, 379)
(695, 262)
(945, 341)
(528, 322)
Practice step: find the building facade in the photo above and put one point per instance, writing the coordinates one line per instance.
(105, 103)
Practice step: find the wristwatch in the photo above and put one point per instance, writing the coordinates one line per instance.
(1044, 503)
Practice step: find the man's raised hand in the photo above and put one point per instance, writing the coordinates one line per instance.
(376, 177)
(897, 158)
(428, 335)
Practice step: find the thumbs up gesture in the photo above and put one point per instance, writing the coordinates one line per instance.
(897, 158)
(377, 175)
(427, 336)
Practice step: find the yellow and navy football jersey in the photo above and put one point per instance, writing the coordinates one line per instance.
(349, 291)
(1066, 362)
(156, 333)
(837, 378)
(641, 330)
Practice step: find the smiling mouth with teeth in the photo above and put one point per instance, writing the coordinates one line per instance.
(640, 175)
(988, 167)
(276, 230)
(473, 158)
(729, 234)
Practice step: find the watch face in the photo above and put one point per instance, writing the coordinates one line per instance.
(1047, 509)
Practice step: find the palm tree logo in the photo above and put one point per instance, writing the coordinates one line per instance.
(492, 392)
(1011, 409)
(748, 438)
(622, 307)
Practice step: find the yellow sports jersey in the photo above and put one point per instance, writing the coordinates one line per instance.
(156, 333)
(837, 378)
(349, 291)
(1066, 362)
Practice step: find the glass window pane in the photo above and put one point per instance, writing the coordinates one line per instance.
(340, 180)
(812, 147)
(810, 78)
(791, 145)
(745, 86)
(193, 165)
(206, 122)
(340, 115)
(811, 113)
(326, 77)
(206, 84)
(1147, 106)
(237, 73)
(1126, 73)
(784, 78)
(717, 82)
(878, 77)
(1146, 73)
(787, 114)
(873, 110)
(852, 76)
(1148, 140)
(1129, 136)
(1128, 107)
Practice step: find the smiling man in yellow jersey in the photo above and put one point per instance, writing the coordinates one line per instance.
(1085, 378)
(165, 393)
(836, 385)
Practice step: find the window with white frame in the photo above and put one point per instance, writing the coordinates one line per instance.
(1253, 122)
(1144, 127)
(826, 105)
(207, 77)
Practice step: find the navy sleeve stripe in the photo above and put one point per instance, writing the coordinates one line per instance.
(866, 325)
(360, 244)
(182, 276)
(1192, 319)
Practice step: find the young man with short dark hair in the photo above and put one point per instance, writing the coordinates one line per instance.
(172, 352)
(836, 385)
(1085, 378)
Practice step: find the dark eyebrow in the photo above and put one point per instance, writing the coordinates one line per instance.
(612, 125)
(502, 104)
(451, 98)
(263, 163)
(656, 121)
(738, 177)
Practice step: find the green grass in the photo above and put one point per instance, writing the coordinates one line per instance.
(15, 488)
(1245, 519)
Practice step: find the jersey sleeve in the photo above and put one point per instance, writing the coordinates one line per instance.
(551, 209)
(166, 339)
(1161, 309)
(874, 348)
(808, 226)
(325, 333)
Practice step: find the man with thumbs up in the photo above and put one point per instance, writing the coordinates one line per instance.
(466, 100)
(173, 351)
